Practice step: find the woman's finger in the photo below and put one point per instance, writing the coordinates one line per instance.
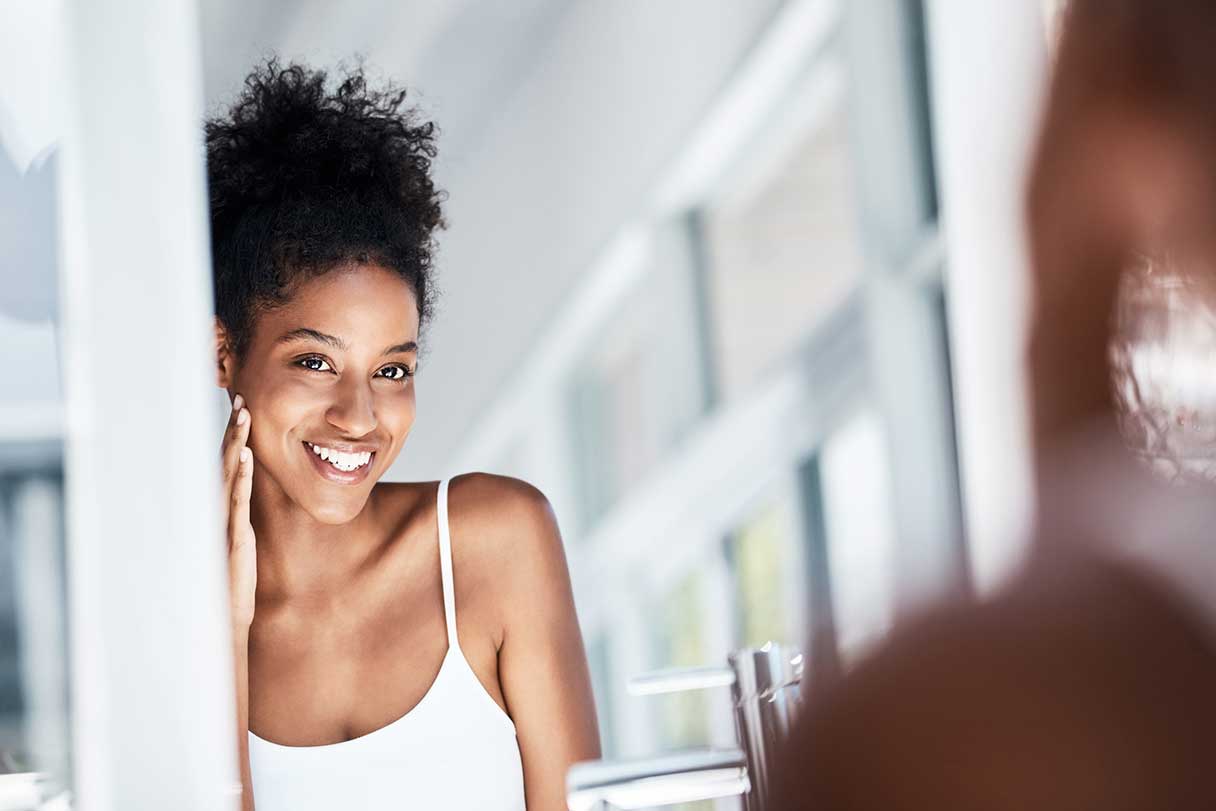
(235, 439)
(238, 510)
(226, 440)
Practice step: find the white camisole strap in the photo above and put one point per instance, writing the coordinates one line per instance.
(445, 565)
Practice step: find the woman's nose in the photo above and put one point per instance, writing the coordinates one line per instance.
(352, 410)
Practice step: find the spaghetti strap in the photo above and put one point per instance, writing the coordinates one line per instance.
(445, 566)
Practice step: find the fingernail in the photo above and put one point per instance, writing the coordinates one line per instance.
(237, 402)
(244, 454)
(242, 417)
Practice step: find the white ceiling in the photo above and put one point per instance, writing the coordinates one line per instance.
(461, 57)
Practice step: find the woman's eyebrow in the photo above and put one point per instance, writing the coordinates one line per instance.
(404, 346)
(306, 334)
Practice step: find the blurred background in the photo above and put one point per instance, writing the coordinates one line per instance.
(738, 285)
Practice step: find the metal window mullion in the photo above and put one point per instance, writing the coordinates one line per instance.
(823, 662)
(908, 357)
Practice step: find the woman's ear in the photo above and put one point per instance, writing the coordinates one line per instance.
(225, 361)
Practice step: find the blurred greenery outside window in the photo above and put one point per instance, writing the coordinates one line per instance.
(758, 552)
(680, 641)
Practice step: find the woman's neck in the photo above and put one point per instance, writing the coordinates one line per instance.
(299, 555)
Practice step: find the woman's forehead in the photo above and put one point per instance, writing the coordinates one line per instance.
(357, 304)
(355, 281)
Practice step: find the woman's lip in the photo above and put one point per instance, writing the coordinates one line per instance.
(328, 471)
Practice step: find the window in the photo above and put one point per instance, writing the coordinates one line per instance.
(680, 642)
(638, 389)
(767, 577)
(782, 239)
(683, 717)
(860, 531)
(34, 731)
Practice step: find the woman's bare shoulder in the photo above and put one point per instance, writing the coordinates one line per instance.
(476, 495)
(490, 497)
(506, 524)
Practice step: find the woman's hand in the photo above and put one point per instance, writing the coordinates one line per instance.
(237, 460)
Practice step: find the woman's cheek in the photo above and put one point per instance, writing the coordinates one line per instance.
(404, 404)
(291, 395)
(279, 408)
(396, 411)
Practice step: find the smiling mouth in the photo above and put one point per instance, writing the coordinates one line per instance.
(338, 465)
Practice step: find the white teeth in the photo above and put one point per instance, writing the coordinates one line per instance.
(341, 460)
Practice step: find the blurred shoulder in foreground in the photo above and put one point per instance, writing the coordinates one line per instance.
(1088, 684)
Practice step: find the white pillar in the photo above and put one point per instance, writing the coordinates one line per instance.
(153, 719)
(987, 65)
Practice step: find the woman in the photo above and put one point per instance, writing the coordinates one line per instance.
(359, 683)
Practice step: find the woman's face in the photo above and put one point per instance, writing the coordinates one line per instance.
(330, 374)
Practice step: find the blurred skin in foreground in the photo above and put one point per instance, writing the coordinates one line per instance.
(1090, 680)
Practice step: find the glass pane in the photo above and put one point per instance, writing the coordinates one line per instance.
(34, 732)
(680, 642)
(783, 245)
(637, 390)
(683, 718)
(861, 536)
(768, 590)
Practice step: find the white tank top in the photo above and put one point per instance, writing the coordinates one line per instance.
(455, 750)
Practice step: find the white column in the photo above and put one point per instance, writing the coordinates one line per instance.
(153, 719)
(987, 67)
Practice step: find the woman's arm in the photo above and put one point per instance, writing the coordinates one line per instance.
(240, 656)
(542, 664)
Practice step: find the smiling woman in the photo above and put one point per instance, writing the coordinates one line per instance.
(327, 393)
(363, 686)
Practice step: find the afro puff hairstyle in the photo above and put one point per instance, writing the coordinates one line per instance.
(303, 180)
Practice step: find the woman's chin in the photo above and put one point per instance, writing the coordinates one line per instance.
(336, 511)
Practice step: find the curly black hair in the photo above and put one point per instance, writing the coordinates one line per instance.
(303, 180)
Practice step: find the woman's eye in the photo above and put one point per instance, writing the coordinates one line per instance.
(314, 364)
(396, 372)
